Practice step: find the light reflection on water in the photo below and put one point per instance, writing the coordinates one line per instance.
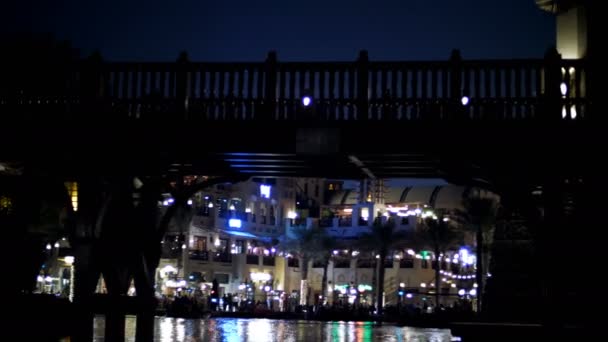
(258, 330)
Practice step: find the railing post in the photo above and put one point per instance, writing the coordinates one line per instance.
(362, 85)
(181, 85)
(455, 84)
(270, 87)
(552, 110)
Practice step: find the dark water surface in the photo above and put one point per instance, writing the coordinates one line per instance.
(260, 330)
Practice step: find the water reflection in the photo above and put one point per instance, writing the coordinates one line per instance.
(254, 330)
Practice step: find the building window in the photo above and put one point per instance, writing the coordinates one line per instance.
(424, 264)
(199, 243)
(406, 262)
(306, 189)
(331, 186)
(316, 190)
(239, 246)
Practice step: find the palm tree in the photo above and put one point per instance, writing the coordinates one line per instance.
(382, 239)
(440, 235)
(304, 244)
(325, 246)
(479, 216)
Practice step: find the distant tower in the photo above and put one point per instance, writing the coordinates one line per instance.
(572, 26)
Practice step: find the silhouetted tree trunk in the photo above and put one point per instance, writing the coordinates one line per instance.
(380, 289)
(479, 272)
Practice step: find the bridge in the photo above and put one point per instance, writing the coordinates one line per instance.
(277, 118)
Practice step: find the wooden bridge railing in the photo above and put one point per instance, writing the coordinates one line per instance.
(549, 88)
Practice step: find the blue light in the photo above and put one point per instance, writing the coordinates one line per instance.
(401, 293)
(265, 191)
(306, 101)
(234, 223)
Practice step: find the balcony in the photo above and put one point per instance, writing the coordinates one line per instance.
(222, 257)
(198, 255)
(253, 259)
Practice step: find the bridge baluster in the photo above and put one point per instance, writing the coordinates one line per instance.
(350, 99)
(270, 91)
(331, 108)
(475, 92)
(362, 85)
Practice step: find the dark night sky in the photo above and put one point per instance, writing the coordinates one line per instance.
(227, 30)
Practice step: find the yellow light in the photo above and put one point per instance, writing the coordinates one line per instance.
(72, 188)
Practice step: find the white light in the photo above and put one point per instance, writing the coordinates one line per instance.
(40, 278)
(409, 295)
(464, 100)
(470, 260)
(232, 207)
(247, 210)
(170, 200)
(69, 260)
(267, 288)
(564, 112)
(402, 284)
(292, 215)
(189, 202)
(48, 246)
(445, 219)
(461, 292)
(265, 191)
(473, 292)
(210, 205)
(422, 284)
(385, 214)
(217, 242)
(563, 88)
(273, 250)
(353, 291)
(348, 210)
(355, 253)
(411, 252)
(56, 245)
(335, 252)
(377, 256)
(258, 276)
(235, 223)
(184, 246)
(306, 100)
(444, 279)
(573, 112)
(242, 287)
(453, 285)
